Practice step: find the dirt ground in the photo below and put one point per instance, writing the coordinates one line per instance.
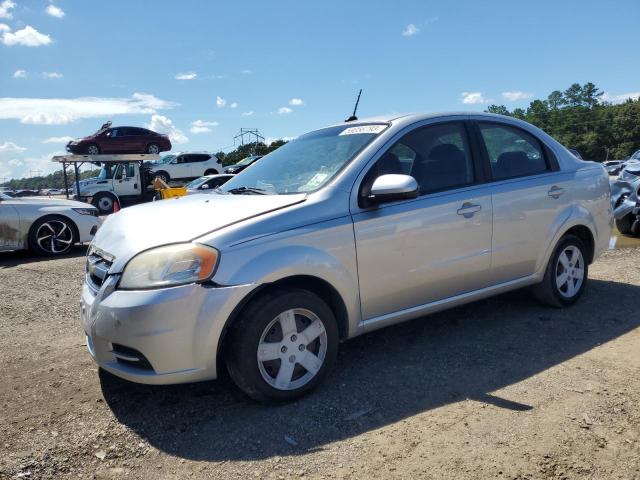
(502, 388)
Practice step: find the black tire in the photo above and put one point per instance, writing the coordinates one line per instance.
(624, 224)
(164, 176)
(548, 292)
(93, 149)
(211, 172)
(62, 231)
(104, 202)
(256, 321)
(153, 148)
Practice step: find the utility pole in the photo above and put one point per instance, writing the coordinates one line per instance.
(250, 133)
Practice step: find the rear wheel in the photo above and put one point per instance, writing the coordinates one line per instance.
(52, 236)
(624, 224)
(211, 172)
(282, 345)
(153, 148)
(104, 202)
(162, 176)
(566, 274)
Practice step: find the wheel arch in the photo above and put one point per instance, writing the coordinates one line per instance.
(160, 172)
(315, 285)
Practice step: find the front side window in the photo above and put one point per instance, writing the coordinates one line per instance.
(512, 152)
(307, 163)
(437, 156)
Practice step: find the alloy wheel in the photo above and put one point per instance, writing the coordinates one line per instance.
(292, 349)
(54, 237)
(570, 271)
(93, 150)
(153, 149)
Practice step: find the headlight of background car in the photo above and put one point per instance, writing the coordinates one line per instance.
(86, 211)
(170, 266)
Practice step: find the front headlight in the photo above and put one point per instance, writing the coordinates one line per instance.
(86, 211)
(170, 266)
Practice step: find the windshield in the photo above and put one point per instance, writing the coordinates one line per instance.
(636, 156)
(4, 197)
(107, 171)
(246, 161)
(306, 163)
(166, 159)
(196, 183)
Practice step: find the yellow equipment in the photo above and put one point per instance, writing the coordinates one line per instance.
(165, 191)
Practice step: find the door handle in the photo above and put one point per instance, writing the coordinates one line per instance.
(468, 209)
(555, 191)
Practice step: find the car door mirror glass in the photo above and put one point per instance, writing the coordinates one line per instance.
(391, 187)
(204, 187)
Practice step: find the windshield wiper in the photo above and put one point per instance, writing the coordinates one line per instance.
(243, 189)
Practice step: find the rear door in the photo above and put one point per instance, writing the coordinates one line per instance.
(528, 192)
(418, 251)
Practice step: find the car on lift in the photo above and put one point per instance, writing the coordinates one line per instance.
(46, 226)
(114, 140)
(184, 166)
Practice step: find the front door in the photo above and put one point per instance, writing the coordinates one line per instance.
(126, 181)
(414, 252)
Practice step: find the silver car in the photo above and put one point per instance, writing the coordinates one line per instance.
(46, 226)
(339, 232)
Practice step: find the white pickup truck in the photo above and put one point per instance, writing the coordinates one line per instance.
(185, 166)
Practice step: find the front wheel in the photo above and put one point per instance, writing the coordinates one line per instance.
(51, 236)
(624, 224)
(283, 345)
(211, 172)
(104, 203)
(93, 149)
(566, 274)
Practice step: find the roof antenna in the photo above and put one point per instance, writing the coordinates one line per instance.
(353, 117)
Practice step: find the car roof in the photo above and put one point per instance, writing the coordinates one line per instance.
(193, 152)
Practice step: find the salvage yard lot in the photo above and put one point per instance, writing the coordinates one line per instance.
(501, 388)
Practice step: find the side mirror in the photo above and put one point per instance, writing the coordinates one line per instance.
(392, 187)
(204, 187)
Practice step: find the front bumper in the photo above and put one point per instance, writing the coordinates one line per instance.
(176, 330)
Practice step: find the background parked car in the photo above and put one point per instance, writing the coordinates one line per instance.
(120, 140)
(242, 164)
(207, 183)
(184, 165)
(613, 167)
(45, 226)
(575, 153)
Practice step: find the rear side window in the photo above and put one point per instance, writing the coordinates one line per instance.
(199, 158)
(512, 152)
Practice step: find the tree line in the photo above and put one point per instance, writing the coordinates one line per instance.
(580, 117)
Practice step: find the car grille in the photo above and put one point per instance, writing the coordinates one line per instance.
(97, 268)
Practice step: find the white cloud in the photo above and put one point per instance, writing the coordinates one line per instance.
(27, 37)
(10, 147)
(516, 95)
(220, 102)
(270, 140)
(296, 102)
(247, 114)
(4, 27)
(20, 167)
(234, 105)
(621, 98)
(187, 76)
(55, 11)
(5, 9)
(59, 111)
(63, 140)
(410, 30)
(20, 74)
(472, 98)
(246, 72)
(52, 75)
(161, 124)
(200, 126)
(284, 110)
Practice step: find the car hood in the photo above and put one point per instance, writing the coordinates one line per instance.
(135, 229)
(51, 202)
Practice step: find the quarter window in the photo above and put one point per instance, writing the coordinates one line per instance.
(437, 156)
(512, 152)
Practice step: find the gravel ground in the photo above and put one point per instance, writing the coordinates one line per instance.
(502, 388)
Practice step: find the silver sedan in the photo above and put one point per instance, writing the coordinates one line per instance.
(46, 226)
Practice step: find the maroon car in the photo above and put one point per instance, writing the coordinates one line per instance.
(120, 140)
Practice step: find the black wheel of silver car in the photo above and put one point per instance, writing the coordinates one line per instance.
(624, 224)
(282, 345)
(52, 236)
(153, 148)
(211, 172)
(104, 203)
(566, 274)
(93, 149)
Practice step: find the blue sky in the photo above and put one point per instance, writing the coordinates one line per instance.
(287, 67)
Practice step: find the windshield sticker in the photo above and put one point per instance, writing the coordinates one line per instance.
(363, 129)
